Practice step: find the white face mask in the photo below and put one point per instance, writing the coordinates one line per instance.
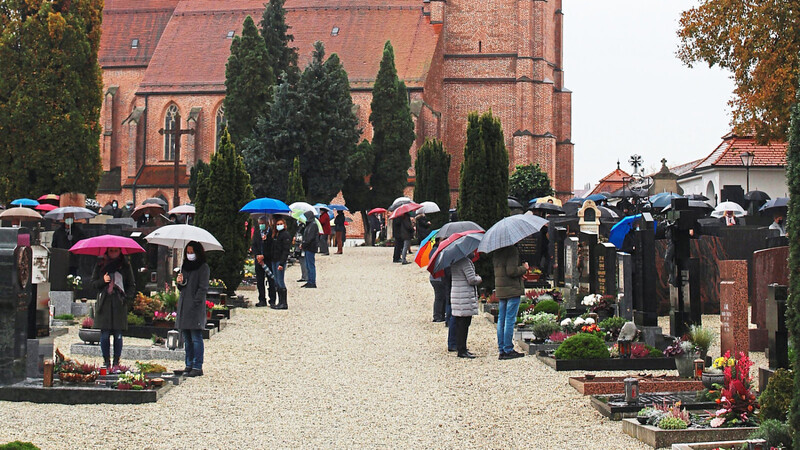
(280, 227)
(68, 221)
(191, 256)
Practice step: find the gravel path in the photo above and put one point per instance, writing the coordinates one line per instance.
(355, 363)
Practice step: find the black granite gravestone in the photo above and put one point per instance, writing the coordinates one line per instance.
(682, 226)
(571, 274)
(645, 303)
(557, 236)
(625, 285)
(778, 335)
(15, 295)
(604, 269)
(586, 250)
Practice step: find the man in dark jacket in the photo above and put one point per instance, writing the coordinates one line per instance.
(398, 241)
(423, 227)
(325, 221)
(406, 234)
(339, 229)
(310, 247)
(67, 235)
(374, 227)
(257, 249)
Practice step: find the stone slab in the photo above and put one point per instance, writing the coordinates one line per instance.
(713, 445)
(769, 266)
(616, 385)
(615, 408)
(146, 332)
(62, 301)
(83, 308)
(657, 438)
(58, 331)
(132, 352)
(31, 390)
(608, 364)
(531, 348)
(734, 334)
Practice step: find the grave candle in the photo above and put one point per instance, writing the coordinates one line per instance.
(631, 390)
(699, 365)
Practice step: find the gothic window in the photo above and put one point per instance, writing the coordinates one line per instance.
(221, 122)
(170, 123)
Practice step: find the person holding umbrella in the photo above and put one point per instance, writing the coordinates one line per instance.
(325, 220)
(509, 287)
(374, 227)
(281, 242)
(463, 301)
(406, 234)
(777, 224)
(257, 248)
(192, 283)
(113, 278)
(339, 228)
(311, 239)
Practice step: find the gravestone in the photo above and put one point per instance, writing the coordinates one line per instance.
(59, 269)
(778, 350)
(557, 236)
(15, 295)
(734, 334)
(530, 250)
(769, 266)
(625, 285)
(589, 217)
(682, 226)
(571, 273)
(605, 269)
(645, 303)
(586, 249)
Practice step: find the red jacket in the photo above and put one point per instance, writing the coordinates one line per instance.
(325, 220)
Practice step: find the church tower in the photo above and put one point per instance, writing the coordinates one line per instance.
(506, 55)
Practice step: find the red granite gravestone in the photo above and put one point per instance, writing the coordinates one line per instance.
(769, 266)
(734, 335)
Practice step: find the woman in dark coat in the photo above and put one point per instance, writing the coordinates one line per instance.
(191, 320)
(281, 243)
(113, 279)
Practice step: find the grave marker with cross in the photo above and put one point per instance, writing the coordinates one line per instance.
(177, 132)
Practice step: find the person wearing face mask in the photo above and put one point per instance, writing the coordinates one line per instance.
(65, 236)
(281, 242)
(115, 211)
(777, 224)
(113, 279)
(191, 319)
(257, 249)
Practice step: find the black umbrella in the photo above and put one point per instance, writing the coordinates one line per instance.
(571, 208)
(578, 200)
(627, 192)
(756, 196)
(549, 207)
(156, 201)
(775, 204)
(452, 228)
(513, 203)
(693, 204)
(700, 197)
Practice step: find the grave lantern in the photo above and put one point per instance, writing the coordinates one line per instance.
(699, 366)
(172, 339)
(631, 390)
(625, 346)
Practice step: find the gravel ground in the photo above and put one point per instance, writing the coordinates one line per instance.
(355, 363)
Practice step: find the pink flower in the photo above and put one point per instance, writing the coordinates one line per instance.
(716, 422)
(720, 412)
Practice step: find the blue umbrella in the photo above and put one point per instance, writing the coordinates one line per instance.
(576, 200)
(596, 197)
(338, 207)
(663, 199)
(266, 205)
(621, 229)
(24, 202)
(430, 236)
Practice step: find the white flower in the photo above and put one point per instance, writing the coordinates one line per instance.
(579, 321)
(716, 422)
(589, 321)
(566, 322)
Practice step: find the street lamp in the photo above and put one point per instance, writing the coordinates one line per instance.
(747, 161)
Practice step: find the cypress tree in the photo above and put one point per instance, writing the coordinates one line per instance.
(50, 97)
(432, 167)
(196, 173)
(393, 132)
(793, 230)
(295, 192)
(222, 190)
(248, 82)
(274, 30)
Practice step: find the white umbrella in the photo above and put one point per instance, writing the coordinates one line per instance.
(183, 209)
(509, 231)
(20, 213)
(303, 206)
(428, 208)
(177, 236)
(719, 211)
(76, 211)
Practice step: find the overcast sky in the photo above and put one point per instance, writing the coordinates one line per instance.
(631, 94)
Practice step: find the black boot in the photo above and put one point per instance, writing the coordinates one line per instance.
(116, 362)
(281, 299)
(107, 363)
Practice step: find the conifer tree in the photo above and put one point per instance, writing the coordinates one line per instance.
(393, 132)
(222, 190)
(274, 30)
(793, 230)
(529, 182)
(50, 97)
(295, 192)
(432, 167)
(248, 82)
(196, 173)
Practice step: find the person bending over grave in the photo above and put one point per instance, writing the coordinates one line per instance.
(191, 319)
(113, 279)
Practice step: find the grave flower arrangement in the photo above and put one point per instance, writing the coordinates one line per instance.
(738, 404)
(145, 307)
(165, 316)
(575, 325)
(168, 298)
(542, 324)
(87, 322)
(217, 284)
(669, 417)
(131, 381)
(219, 308)
(74, 371)
(74, 282)
(144, 367)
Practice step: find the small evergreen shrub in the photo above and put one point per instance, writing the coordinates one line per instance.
(135, 320)
(64, 317)
(672, 423)
(19, 445)
(542, 330)
(776, 433)
(548, 306)
(582, 346)
(777, 396)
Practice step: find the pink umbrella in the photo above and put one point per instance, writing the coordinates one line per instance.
(408, 207)
(46, 207)
(98, 245)
(376, 211)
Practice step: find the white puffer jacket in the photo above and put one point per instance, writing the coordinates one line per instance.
(463, 293)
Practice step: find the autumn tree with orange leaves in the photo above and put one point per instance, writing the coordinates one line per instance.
(759, 42)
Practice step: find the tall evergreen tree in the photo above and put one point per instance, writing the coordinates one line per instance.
(793, 231)
(50, 97)
(295, 192)
(529, 182)
(248, 82)
(393, 132)
(432, 167)
(274, 30)
(222, 190)
(195, 174)
(355, 189)
(329, 125)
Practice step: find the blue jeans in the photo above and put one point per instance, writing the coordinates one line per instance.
(193, 344)
(506, 321)
(311, 268)
(451, 326)
(105, 344)
(278, 274)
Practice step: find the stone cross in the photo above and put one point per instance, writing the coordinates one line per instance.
(177, 133)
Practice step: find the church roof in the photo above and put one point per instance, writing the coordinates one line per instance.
(194, 47)
(727, 153)
(611, 182)
(124, 21)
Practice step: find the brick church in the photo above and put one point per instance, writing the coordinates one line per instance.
(164, 60)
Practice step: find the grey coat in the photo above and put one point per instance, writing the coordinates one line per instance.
(463, 294)
(111, 310)
(192, 301)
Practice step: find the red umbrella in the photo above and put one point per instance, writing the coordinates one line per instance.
(408, 207)
(46, 207)
(376, 211)
(53, 199)
(444, 244)
(98, 245)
